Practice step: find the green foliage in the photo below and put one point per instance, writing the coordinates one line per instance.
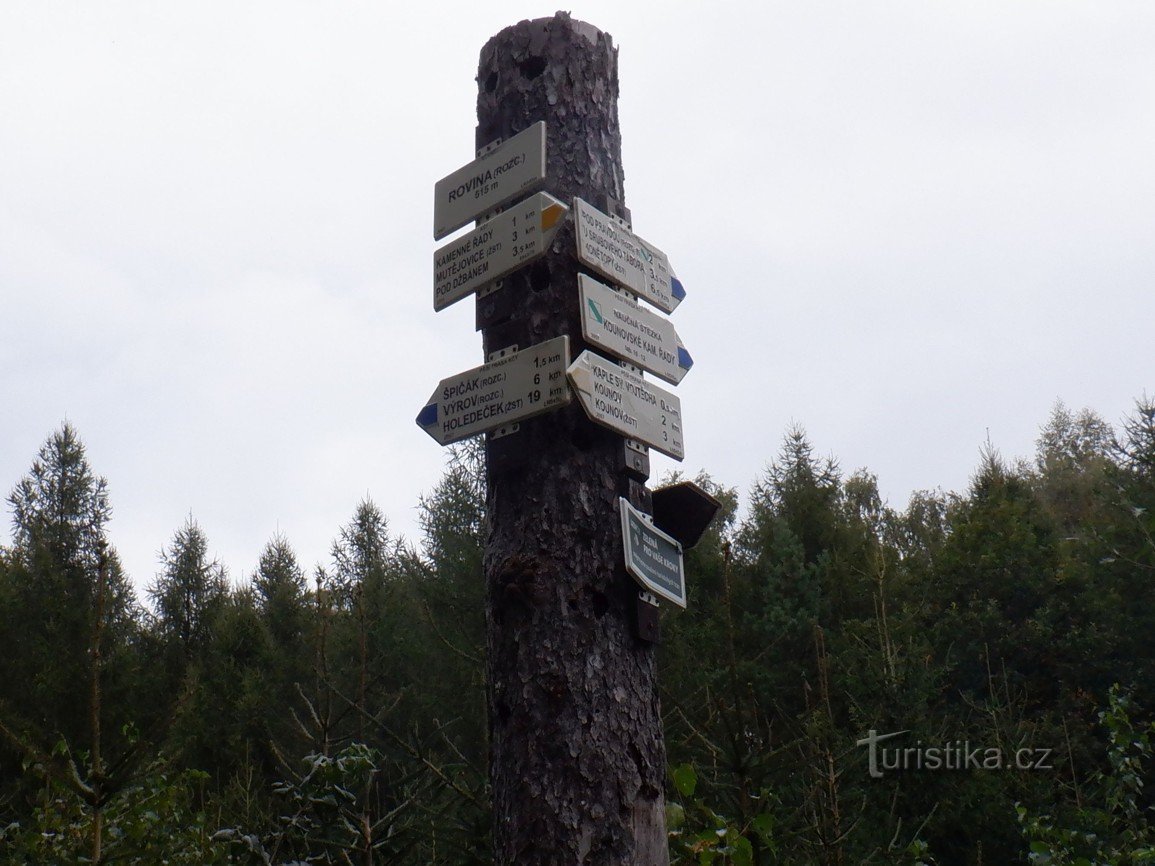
(1117, 830)
(1000, 615)
(282, 606)
(60, 511)
(453, 517)
(1137, 448)
(362, 557)
(221, 721)
(361, 805)
(279, 584)
(60, 507)
(334, 812)
(700, 835)
(996, 572)
(153, 820)
(187, 594)
(1072, 460)
(445, 586)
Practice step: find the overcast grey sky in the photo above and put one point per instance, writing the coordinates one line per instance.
(899, 224)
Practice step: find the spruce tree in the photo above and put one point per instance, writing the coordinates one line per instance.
(364, 560)
(69, 617)
(56, 589)
(282, 605)
(187, 594)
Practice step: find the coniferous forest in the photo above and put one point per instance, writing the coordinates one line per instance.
(964, 681)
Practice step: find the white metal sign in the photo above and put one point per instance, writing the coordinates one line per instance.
(653, 558)
(512, 168)
(495, 248)
(617, 253)
(513, 388)
(623, 401)
(615, 322)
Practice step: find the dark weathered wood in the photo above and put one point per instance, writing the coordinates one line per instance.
(578, 761)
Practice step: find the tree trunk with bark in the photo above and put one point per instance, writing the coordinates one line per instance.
(577, 757)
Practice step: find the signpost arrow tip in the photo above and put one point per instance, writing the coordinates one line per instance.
(552, 215)
(427, 417)
(684, 359)
(677, 289)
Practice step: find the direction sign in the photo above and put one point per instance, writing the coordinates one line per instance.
(653, 558)
(513, 388)
(507, 171)
(495, 248)
(623, 401)
(617, 253)
(617, 323)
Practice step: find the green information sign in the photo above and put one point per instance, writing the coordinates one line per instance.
(653, 558)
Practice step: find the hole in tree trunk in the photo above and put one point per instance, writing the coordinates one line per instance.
(539, 276)
(532, 67)
(583, 437)
(601, 604)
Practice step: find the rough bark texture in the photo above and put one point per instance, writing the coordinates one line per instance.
(578, 761)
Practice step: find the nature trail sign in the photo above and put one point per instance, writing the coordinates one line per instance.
(613, 321)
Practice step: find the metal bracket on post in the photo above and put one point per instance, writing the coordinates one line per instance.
(508, 428)
(501, 353)
(489, 214)
(504, 431)
(489, 288)
(640, 496)
(634, 459)
(648, 623)
(492, 146)
(618, 211)
(504, 453)
(637, 459)
(493, 306)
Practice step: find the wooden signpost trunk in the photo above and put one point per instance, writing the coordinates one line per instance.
(577, 758)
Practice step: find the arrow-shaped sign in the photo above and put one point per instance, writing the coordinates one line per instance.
(509, 170)
(495, 248)
(623, 401)
(513, 388)
(618, 254)
(617, 323)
